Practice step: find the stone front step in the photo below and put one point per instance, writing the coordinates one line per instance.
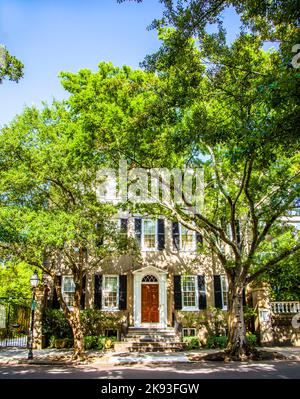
(147, 339)
(149, 346)
(151, 338)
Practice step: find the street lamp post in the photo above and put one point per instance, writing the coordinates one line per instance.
(34, 281)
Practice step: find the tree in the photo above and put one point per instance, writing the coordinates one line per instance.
(49, 208)
(10, 67)
(174, 114)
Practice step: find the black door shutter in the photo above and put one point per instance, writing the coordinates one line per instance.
(199, 238)
(55, 302)
(218, 292)
(123, 292)
(175, 232)
(177, 293)
(124, 224)
(82, 298)
(97, 291)
(161, 234)
(202, 292)
(138, 230)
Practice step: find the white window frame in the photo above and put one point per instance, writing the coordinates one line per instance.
(224, 282)
(156, 236)
(196, 306)
(180, 241)
(189, 329)
(63, 290)
(107, 308)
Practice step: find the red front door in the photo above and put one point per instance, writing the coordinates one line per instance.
(150, 303)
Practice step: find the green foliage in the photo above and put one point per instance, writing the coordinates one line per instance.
(251, 339)
(98, 342)
(95, 322)
(191, 342)
(10, 67)
(54, 324)
(214, 342)
(216, 321)
(15, 282)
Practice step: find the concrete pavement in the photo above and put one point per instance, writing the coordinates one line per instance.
(200, 370)
(53, 356)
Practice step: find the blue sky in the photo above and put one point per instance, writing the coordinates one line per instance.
(50, 36)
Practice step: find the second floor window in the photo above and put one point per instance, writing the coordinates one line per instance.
(149, 234)
(68, 290)
(187, 239)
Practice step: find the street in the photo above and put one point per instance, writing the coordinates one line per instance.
(205, 370)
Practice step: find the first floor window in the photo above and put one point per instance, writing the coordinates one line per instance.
(149, 234)
(68, 290)
(110, 292)
(187, 239)
(189, 292)
(224, 287)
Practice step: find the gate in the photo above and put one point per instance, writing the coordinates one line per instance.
(14, 324)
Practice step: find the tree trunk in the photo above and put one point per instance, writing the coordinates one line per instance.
(73, 318)
(75, 323)
(237, 347)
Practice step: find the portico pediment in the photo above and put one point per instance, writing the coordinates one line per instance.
(150, 270)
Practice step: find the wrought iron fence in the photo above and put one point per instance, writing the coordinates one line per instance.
(14, 323)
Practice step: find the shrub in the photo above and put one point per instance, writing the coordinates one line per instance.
(98, 342)
(251, 339)
(90, 342)
(55, 324)
(214, 342)
(95, 322)
(191, 342)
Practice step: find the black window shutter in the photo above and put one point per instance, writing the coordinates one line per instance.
(177, 293)
(55, 302)
(99, 229)
(218, 292)
(124, 225)
(161, 234)
(244, 297)
(202, 292)
(138, 230)
(175, 232)
(97, 291)
(238, 231)
(123, 292)
(199, 238)
(83, 288)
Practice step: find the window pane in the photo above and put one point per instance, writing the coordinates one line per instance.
(149, 233)
(111, 283)
(187, 239)
(224, 286)
(69, 285)
(188, 291)
(110, 291)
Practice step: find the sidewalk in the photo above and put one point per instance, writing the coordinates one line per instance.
(58, 356)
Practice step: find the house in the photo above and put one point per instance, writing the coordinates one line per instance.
(169, 278)
(166, 286)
